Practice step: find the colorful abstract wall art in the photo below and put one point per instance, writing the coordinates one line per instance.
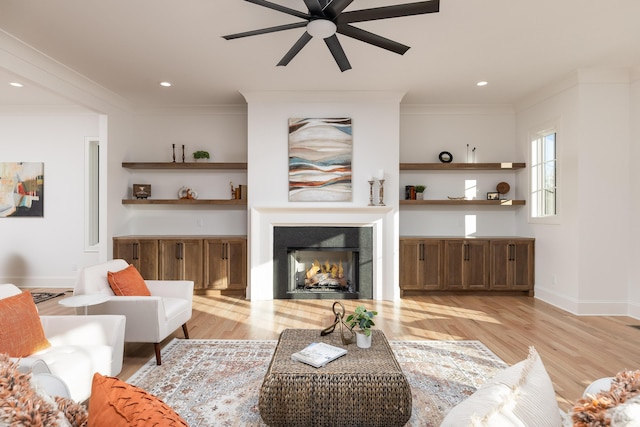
(320, 153)
(21, 189)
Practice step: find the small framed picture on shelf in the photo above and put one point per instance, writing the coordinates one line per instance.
(494, 195)
(141, 191)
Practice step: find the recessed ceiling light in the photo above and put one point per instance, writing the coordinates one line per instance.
(482, 83)
(16, 84)
(165, 84)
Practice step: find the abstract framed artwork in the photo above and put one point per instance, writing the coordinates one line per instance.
(21, 189)
(320, 155)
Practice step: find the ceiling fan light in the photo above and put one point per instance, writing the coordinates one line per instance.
(321, 28)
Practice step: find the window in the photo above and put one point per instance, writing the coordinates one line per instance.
(543, 174)
(92, 194)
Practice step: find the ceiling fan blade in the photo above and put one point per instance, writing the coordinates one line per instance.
(338, 53)
(389, 11)
(297, 47)
(280, 8)
(335, 8)
(265, 30)
(374, 39)
(314, 7)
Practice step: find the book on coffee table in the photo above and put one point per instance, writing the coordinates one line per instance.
(318, 354)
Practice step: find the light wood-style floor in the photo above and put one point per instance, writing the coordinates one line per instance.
(575, 349)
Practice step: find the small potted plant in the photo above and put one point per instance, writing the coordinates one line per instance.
(199, 155)
(363, 319)
(420, 192)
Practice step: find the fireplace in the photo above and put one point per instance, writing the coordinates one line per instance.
(317, 262)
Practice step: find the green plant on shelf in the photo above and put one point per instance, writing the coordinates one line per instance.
(420, 188)
(201, 155)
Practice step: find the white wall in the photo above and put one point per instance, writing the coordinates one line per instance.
(46, 252)
(582, 259)
(220, 131)
(428, 130)
(375, 124)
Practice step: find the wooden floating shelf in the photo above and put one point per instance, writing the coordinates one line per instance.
(462, 166)
(219, 202)
(180, 165)
(465, 202)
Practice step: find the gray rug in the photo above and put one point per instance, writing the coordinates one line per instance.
(217, 382)
(39, 297)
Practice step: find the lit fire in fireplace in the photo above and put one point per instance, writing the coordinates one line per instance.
(326, 274)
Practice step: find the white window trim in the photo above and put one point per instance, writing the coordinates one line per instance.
(549, 127)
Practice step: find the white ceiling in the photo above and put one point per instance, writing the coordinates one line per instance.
(127, 46)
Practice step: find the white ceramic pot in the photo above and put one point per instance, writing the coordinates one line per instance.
(362, 340)
(419, 196)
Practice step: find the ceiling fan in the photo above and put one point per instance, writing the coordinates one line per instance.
(326, 18)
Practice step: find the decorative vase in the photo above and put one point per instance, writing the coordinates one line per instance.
(362, 340)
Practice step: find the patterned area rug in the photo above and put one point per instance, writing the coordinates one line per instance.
(39, 297)
(217, 382)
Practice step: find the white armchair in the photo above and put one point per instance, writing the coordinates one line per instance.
(80, 347)
(150, 319)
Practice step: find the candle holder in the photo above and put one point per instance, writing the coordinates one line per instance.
(371, 193)
(381, 202)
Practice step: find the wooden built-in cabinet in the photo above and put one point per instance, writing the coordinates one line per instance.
(214, 263)
(460, 264)
(512, 265)
(225, 263)
(181, 259)
(142, 253)
(421, 264)
(466, 264)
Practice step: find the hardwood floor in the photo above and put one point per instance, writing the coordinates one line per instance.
(575, 349)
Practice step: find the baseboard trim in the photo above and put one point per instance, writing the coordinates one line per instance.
(588, 308)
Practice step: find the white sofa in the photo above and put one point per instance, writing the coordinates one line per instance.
(80, 347)
(150, 319)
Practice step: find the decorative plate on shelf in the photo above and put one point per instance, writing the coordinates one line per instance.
(187, 193)
(503, 187)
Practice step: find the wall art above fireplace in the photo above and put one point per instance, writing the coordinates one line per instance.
(320, 153)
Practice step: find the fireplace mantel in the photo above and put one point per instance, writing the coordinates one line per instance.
(382, 219)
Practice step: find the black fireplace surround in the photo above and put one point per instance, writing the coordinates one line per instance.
(287, 239)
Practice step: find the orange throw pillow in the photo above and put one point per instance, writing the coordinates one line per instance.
(128, 282)
(21, 332)
(115, 403)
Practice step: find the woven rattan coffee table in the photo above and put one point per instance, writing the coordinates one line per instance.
(365, 387)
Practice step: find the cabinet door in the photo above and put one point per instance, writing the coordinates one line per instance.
(454, 251)
(410, 264)
(225, 264)
(215, 265)
(523, 260)
(431, 264)
(180, 259)
(466, 264)
(501, 271)
(141, 253)
(476, 265)
(237, 264)
(512, 265)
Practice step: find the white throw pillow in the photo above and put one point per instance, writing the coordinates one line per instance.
(626, 414)
(521, 395)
